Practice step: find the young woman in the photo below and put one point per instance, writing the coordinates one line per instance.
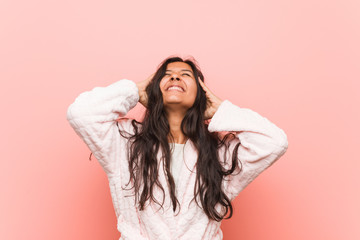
(174, 175)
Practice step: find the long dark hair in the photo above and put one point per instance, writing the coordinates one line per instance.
(154, 133)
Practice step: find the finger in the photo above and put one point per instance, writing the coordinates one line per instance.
(206, 89)
(203, 85)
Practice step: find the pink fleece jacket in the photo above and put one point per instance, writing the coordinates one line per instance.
(93, 116)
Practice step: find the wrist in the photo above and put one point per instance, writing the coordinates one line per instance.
(139, 88)
(218, 103)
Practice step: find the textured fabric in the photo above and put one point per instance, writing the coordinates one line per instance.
(177, 161)
(94, 114)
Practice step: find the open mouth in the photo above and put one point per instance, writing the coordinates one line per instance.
(175, 88)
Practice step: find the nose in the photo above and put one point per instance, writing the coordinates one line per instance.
(172, 77)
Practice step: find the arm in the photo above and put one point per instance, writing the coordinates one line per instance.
(262, 143)
(93, 116)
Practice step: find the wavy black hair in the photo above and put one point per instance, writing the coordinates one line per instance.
(154, 131)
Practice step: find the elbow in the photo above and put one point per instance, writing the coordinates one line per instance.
(281, 143)
(72, 112)
(69, 112)
(79, 108)
(283, 139)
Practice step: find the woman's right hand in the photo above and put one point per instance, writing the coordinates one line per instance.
(142, 93)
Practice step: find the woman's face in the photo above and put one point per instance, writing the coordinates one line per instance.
(179, 74)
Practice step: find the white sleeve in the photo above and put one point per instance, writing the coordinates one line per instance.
(93, 115)
(262, 143)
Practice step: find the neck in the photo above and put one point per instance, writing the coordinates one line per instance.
(175, 118)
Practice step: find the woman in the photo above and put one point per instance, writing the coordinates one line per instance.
(174, 175)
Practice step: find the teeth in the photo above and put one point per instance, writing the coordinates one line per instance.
(175, 87)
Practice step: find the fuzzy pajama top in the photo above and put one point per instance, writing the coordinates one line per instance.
(94, 116)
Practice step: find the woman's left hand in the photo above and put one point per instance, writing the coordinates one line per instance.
(213, 102)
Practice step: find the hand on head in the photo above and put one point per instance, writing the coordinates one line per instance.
(142, 93)
(213, 102)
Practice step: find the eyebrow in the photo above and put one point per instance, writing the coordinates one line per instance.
(181, 70)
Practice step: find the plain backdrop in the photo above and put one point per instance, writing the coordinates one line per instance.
(295, 62)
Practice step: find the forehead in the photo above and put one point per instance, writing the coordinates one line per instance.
(178, 66)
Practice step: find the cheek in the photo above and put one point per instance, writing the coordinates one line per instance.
(193, 91)
(161, 85)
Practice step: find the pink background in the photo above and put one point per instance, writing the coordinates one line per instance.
(294, 62)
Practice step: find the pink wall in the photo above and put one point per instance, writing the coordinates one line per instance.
(295, 62)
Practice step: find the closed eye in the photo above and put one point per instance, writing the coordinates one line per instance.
(166, 74)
